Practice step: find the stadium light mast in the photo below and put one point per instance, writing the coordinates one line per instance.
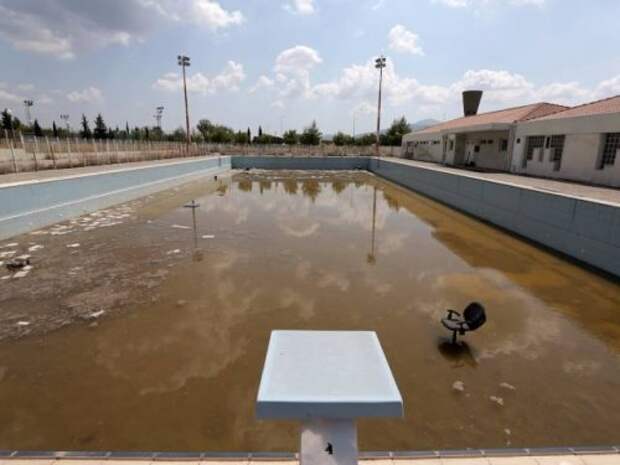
(184, 61)
(379, 64)
(27, 105)
(65, 118)
(159, 112)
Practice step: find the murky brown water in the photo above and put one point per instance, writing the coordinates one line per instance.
(174, 361)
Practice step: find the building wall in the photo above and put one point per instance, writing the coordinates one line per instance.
(582, 149)
(490, 156)
(426, 148)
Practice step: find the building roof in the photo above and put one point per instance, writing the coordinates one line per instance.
(507, 116)
(600, 107)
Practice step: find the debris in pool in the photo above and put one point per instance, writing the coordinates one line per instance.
(458, 386)
(34, 248)
(510, 387)
(178, 226)
(18, 263)
(208, 236)
(507, 431)
(498, 400)
(8, 276)
(95, 315)
(21, 274)
(11, 245)
(175, 251)
(39, 233)
(181, 303)
(73, 246)
(7, 254)
(23, 323)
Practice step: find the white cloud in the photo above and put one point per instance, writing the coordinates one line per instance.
(301, 7)
(469, 3)
(278, 104)
(608, 88)
(228, 79)
(262, 83)
(9, 97)
(403, 40)
(207, 13)
(63, 28)
(88, 95)
(364, 108)
(293, 68)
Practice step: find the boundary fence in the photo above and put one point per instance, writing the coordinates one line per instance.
(23, 153)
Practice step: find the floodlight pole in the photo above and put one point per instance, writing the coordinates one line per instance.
(159, 112)
(65, 118)
(27, 105)
(184, 61)
(379, 64)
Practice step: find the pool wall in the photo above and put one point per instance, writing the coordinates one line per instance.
(584, 230)
(30, 205)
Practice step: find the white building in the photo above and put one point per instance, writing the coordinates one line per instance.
(541, 139)
(579, 144)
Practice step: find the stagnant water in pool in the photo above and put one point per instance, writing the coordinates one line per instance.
(135, 331)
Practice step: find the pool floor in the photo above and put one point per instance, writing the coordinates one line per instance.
(140, 328)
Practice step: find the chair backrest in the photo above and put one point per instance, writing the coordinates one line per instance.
(475, 315)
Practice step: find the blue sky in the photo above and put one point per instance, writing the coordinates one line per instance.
(283, 63)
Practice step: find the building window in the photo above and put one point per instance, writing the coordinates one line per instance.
(490, 142)
(612, 145)
(556, 143)
(451, 144)
(504, 145)
(477, 149)
(533, 143)
(519, 140)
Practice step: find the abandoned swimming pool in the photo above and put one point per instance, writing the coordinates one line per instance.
(138, 329)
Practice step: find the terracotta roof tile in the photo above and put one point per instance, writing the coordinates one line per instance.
(605, 106)
(507, 116)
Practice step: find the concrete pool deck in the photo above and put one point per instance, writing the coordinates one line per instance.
(595, 459)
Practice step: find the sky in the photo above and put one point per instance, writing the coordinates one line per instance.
(283, 63)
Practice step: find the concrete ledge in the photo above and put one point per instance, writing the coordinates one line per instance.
(30, 205)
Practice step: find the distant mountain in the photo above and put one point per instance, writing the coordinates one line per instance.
(423, 124)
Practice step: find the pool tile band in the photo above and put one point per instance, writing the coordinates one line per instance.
(285, 456)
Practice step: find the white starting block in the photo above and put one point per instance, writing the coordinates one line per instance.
(327, 379)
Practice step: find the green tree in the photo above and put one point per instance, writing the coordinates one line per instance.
(249, 133)
(101, 130)
(366, 139)
(7, 120)
(311, 135)
(86, 133)
(260, 131)
(398, 129)
(343, 139)
(241, 138)
(291, 137)
(127, 131)
(110, 135)
(36, 128)
(54, 130)
(147, 133)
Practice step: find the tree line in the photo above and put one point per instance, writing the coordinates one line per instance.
(205, 131)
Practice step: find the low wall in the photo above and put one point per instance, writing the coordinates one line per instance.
(300, 163)
(585, 230)
(30, 205)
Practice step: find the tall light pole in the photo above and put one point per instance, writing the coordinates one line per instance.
(159, 112)
(183, 62)
(27, 105)
(379, 64)
(10, 112)
(65, 118)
